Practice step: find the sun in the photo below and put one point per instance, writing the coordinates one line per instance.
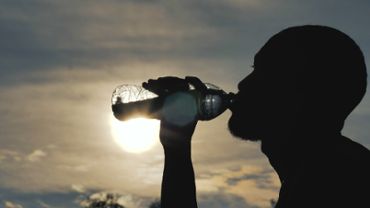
(135, 135)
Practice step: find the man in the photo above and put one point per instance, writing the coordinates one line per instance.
(306, 81)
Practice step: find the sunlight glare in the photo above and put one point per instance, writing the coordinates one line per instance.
(135, 135)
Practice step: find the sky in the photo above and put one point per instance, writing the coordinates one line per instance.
(61, 60)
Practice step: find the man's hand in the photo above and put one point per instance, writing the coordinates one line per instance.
(178, 120)
(180, 108)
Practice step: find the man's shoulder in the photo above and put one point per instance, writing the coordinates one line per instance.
(345, 160)
(339, 172)
(342, 171)
(355, 154)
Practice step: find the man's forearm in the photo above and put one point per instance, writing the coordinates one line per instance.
(178, 185)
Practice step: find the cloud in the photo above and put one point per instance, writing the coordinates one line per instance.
(76, 200)
(221, 200)
(263, 179)
(36, 155)
(205, 200)
(78, 188)
(7, 155)
(95, 32)
(9, 204)
(38, 199)
(124, 200)
(255, 184)
(43, 204)
(12, 155)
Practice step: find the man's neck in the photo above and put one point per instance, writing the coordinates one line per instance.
(286, 154)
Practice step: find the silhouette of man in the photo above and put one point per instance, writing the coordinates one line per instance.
(306, 81)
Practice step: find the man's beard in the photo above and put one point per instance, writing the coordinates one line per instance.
(243, 128)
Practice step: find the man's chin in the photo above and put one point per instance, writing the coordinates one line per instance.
(240, 130)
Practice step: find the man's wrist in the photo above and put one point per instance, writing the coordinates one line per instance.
(176, 142)
(177, 149)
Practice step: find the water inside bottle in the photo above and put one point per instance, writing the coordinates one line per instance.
(130, 93)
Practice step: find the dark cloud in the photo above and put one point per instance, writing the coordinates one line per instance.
(79, 200)
(37, 200)
(205, 200)
(71, 199)
(45, 35)
(222, 200)
(108, 199)
(263, 179)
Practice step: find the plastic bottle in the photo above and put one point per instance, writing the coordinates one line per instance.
(132, 101)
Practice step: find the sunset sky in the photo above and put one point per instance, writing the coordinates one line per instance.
(61, 60)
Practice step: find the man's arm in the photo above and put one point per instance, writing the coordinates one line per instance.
(178, 184)
(178, 121)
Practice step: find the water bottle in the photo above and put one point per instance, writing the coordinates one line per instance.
(132, 101)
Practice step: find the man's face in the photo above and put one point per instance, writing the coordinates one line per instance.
(244, 121)
(264, 105)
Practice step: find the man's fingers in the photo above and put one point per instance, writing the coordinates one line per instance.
(165, 85)
(197, 83)
(173, 84)
(153, 86)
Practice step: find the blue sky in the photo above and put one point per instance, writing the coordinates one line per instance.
(60, 61)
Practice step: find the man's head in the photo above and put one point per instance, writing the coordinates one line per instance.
(306, 78)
